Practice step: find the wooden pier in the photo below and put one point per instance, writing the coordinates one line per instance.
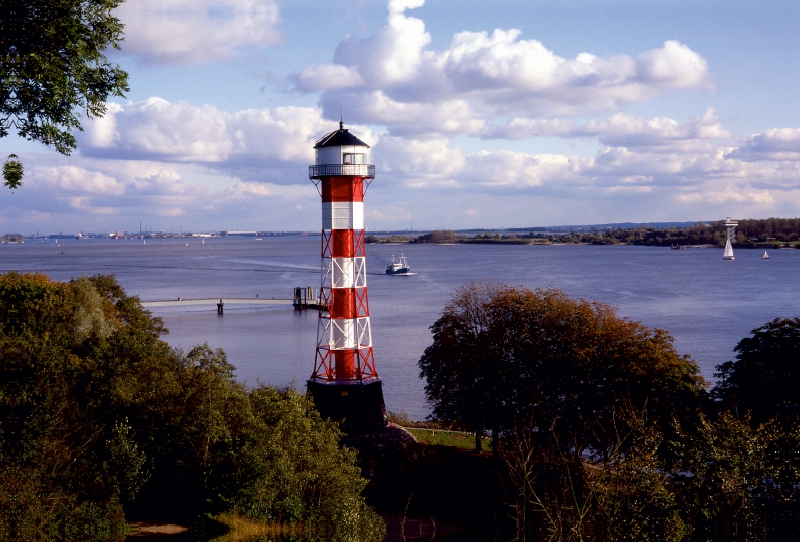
(303, 298)
(221, 302)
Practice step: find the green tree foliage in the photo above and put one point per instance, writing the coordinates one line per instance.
(100, 417)
(295, 472)
(725, 477)
(58, 457)
(627, 495)
(53, 68)
(502, 355)
(604, 428)
(438, 237)
(13, 172)
(761, 385)
(782, 229)
(764, 379)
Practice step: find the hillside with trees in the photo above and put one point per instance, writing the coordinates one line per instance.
(750, 233)
(102, 420)
(606, 433)
(599, 429)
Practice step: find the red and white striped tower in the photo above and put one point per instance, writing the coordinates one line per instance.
(345, 384)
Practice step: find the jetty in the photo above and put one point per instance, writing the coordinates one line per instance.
(303, 299)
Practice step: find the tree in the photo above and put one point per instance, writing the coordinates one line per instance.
(13, 172)
(502, 355)
(53, 68)
(765, 376)
(724, 477)
(463, 378)
(628, 495)
(295, 471)
(100, 417)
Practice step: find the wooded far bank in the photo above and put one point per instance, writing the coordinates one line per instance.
(751, 233)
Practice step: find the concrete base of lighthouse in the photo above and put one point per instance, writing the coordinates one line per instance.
(358, 404)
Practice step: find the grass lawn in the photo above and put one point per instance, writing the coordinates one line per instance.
(456, 439)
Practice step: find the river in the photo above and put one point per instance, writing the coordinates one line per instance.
(708, 305)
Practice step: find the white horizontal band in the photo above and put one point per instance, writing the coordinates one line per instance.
(347, 333)
(343, 215)
(348, 272)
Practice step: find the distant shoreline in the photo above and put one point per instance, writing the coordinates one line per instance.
(772, 234)
(534, 242)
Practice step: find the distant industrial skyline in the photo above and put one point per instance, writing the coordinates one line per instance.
(512, 113)
(232, 232)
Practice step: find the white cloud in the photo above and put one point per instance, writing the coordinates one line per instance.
(261, 141)
(103, 193)
(399, 6)
(427, 180)
(420, 157)
(773, 144)
(388, 213)
(506, 169)
(620, 129)
(261, 155)
(727, 195)
(621, 178)
(697, 135)
(659, 134)
(392, 79)
(246, 190)
(328, 77)
(71, 180)
(171, 211)
(196, 31)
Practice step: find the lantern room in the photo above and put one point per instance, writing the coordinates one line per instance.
(341, 153)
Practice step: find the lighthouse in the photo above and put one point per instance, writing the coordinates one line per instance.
(344, 385)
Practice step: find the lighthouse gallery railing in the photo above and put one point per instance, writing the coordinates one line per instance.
(331, 170)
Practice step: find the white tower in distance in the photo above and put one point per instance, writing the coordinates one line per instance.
(730, 227)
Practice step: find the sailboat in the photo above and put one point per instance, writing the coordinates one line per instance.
(765, 256)
(728, 254)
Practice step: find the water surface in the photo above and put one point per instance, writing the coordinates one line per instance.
(708, 305)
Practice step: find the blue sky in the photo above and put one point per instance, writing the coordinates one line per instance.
(481, 114)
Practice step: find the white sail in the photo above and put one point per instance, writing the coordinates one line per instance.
(728, 254)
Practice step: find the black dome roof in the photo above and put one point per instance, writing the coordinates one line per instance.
(340, 138)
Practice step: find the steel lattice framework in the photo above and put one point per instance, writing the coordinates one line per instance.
(344, 337)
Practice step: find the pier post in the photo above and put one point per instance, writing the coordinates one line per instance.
(219, 307)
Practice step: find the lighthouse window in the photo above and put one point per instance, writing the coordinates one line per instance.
(350, 158)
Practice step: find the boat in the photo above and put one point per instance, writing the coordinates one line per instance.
(397, 267)
(765, 256)
(728, 253)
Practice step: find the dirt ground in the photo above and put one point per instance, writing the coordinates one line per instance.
(145, 530)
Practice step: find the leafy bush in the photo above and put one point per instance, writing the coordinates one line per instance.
(99, 416)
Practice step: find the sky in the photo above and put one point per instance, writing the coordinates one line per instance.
(510, 113)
